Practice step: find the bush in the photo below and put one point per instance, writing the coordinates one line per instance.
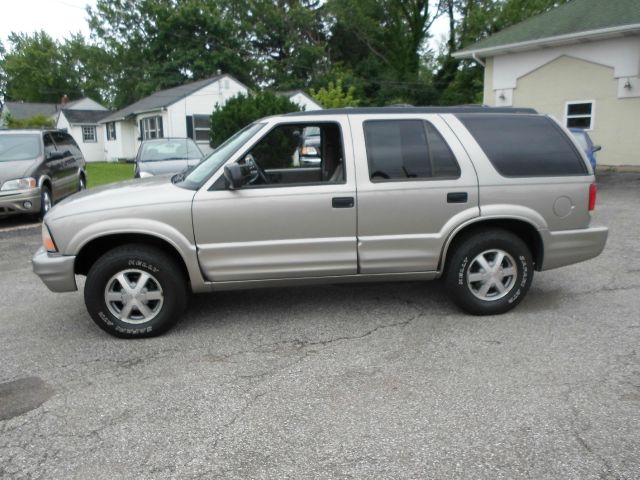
(242, 110)
(37, 121)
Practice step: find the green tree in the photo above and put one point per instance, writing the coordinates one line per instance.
(287, 40)
(334, 95)
(38, 68)
(157, 44)
(383, 42)
(460, 81)
(243, 110)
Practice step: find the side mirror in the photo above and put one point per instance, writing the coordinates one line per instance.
(596, 148)
(236, 175)
(55, 155)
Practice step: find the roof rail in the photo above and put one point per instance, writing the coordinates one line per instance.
(410, 109)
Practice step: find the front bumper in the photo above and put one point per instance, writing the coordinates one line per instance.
(56, 271)
(13, 202)
(572, 246)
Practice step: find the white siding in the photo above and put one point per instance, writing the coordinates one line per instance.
(305, 101)
(202, 102)
(92, 151)
(621, 54)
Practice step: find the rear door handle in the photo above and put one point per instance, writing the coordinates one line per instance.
(342, 202)
(457, 197)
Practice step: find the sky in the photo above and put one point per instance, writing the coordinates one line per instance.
(59, 18)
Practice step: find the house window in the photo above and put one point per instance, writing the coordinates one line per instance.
(89, 134)
(111, 130)
(198, 127)
(579, 115)
(151, 127)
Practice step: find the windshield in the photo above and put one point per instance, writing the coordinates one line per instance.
(196, 177)
(170, 149)
(19, 147)
(580, 136)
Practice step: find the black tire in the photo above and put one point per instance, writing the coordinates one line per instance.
(82, 183)
(165, 280)
(465, 264)
(46, 201)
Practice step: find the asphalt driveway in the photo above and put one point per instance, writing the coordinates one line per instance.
(364, 381)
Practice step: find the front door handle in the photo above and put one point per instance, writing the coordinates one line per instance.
(342, 202)
(457, 197)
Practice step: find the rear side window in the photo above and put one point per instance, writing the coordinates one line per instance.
(524, 146)
(407, 150)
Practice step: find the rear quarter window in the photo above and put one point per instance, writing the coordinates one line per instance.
(525, 145)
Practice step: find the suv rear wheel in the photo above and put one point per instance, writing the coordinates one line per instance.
(135, 291)
(489, 272)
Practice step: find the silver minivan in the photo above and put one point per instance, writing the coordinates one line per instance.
(480, 197)
(37, 169)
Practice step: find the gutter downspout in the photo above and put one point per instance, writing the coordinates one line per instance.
(473, 55)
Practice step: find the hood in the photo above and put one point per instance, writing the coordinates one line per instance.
(16, 169)
(123, 195)
(162, 167)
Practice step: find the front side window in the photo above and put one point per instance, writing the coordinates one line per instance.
(579, 115)
(151, 127)
(89, 134)
(298, 154)
(407, 150)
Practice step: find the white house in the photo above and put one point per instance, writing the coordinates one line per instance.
(182, 111)
(302, 99)
(579, 62)
(81, 119)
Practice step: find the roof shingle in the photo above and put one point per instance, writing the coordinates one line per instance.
(570, 18)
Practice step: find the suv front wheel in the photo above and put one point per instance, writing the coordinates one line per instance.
(489, 272)
(135, 291)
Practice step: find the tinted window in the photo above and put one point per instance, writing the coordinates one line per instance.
(407, 149)
(524, 146)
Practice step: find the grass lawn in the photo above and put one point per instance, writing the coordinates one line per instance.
(102, 172)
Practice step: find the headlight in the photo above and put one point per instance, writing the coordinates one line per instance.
(19, 184)
(47, 240)
(145, 174)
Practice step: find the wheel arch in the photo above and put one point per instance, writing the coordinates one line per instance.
(45, 180)
(524, 229)
(92, 250)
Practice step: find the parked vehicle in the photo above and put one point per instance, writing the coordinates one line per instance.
(481, 197)
(38, 168)
(587, 145)
(165, 156)
(308, 152)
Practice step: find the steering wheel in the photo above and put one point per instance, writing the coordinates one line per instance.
(257, 173)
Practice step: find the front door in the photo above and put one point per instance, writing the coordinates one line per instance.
(415, 184)
(293, 220)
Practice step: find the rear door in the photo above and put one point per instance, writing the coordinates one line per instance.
(415, 185)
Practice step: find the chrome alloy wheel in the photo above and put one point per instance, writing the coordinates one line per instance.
(134, 296)
(491, 275)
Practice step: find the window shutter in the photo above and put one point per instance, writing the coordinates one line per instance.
(190, 126)
(141, 130)
(160, 134)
